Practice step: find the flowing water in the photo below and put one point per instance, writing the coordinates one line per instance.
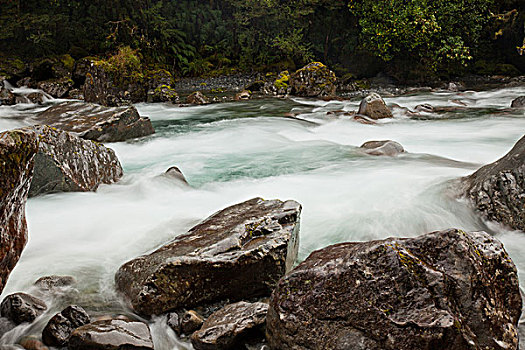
(232, 152)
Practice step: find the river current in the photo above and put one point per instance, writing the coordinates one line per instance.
(232, 152)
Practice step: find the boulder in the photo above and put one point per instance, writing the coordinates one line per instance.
(190, 322)
(197, 98)
(251, 244)
(56, 87)
(313, 80)
(383, 148)
(97, 123)
(57, 331)
(518, 102)
(280, 86)
(21, 307)
(6, 95)
(18, 149)
(442, 290)
(108, 88)
(111, 335)
(497, 190)
(228, 327)
(67, 163)
(373, 106)
(50, 283)
(37, 97)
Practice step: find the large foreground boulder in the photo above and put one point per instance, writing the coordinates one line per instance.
(239, 252)
(111, 335)
(313, 80)
(442, 290)
(98, 123)
(18, 149)
(22, 307)
(497, 190)
(61, 325)
(67, 163)
(373, 106)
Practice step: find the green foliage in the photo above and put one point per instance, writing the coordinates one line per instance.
(434, 32)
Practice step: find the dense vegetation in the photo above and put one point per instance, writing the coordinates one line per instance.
(405, 38)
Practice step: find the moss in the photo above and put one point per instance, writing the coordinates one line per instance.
(282, 80)
(68, 62)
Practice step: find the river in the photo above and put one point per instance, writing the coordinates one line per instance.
(231, 152)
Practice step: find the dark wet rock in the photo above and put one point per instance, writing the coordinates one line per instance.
(190, 322)
(18, 149)
(243, 95)
(21, 307)
(81, 69)
(32, 343)
(163, 93)
(497, 190)
(456, 86)
(6, 96)
(197, 98)
(383, 148)
(425, 107)
(56, 87)
(98, 123)
(27, 81)
(228, 327)
(111, 335)
(59, 328)
(37, 97)
(251, 244)
(174, 322)
(313, 80)
(101, 87)
(75, 94)
(373, 106)
(49, 283)
(518, 102)
(176, 174)
(443, 290)
(67, 163)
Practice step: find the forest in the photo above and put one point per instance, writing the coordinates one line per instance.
(402, 38)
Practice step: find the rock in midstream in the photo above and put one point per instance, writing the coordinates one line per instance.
(97, 123)
(67, 163)
(442, 290)
(383, 148)
(61, 325)
(373, 106)
(18, 149)
(111, 335)
(228, 327)
(497, 190)
(22, 307)
(237, 253)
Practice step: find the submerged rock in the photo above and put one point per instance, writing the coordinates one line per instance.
(518, 102)
(18, 149)
(237, 253)
(383, 148)
(21, 307)
(111, 335)
(197, 98)
(373, 106)
(228, 327)
(313, 80)
(50, 283)
(98, 123)
(59, 328)
(497, 190)
(176, 174)
(443, 290)
(67, 163)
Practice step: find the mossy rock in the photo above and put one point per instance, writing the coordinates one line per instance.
(313, 80)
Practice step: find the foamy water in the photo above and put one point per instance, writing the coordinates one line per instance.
(232, 152)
